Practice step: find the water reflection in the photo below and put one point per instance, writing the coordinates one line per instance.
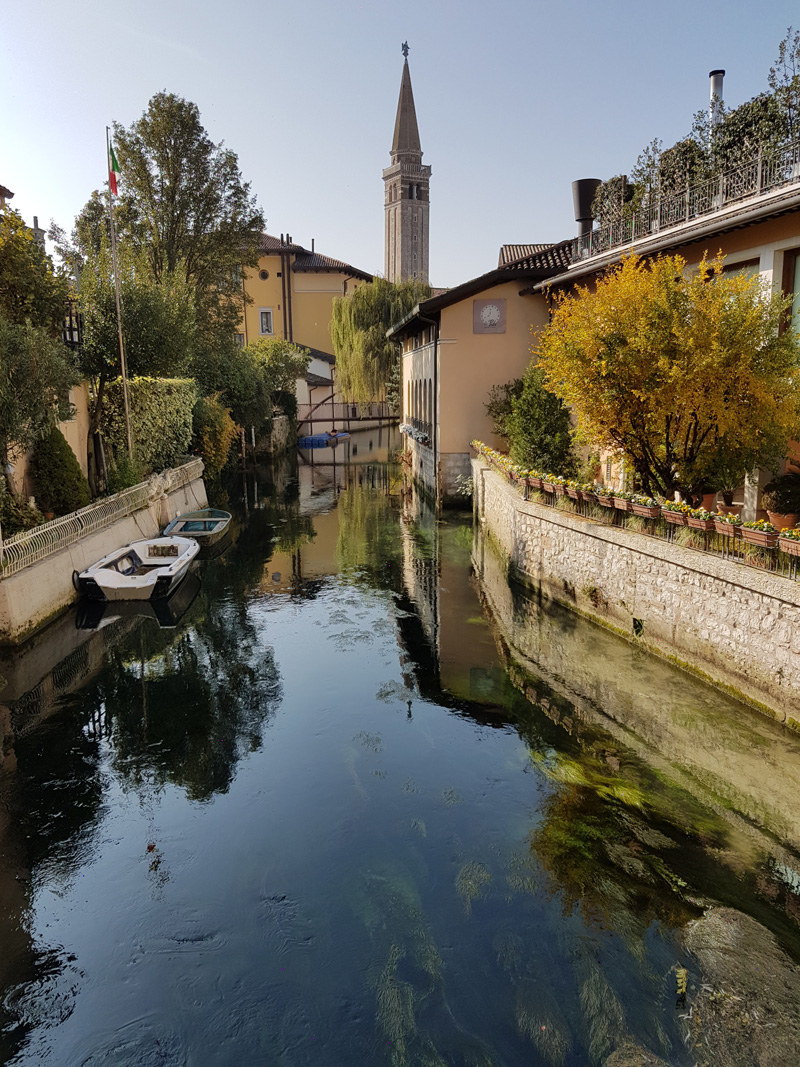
(345, 812)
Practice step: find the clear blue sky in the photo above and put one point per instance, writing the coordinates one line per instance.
(515, 99)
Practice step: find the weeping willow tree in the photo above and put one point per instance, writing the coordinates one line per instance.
(365, 358)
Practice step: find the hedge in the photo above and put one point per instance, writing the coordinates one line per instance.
(161, 419)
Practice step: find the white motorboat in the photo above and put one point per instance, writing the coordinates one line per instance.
(142, 570)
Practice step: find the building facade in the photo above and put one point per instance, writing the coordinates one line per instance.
(407, 194)
(291, 294)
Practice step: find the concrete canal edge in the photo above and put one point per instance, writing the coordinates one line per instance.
(730, 624)
(33, 596)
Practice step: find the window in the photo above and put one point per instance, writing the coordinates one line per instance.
(263, 275)
(240, 340)
(265, 319)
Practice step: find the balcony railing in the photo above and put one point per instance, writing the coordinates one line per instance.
(760, 175)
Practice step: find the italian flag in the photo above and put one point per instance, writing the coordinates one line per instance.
(113, 169)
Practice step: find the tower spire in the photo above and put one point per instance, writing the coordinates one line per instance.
(406, 181)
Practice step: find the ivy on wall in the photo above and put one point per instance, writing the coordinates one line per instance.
(161, 419)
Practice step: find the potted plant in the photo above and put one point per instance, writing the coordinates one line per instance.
(559, 485)
(675, 511)
(622, 500)
(761, 533)
(781, 501)
(645, 506)
(534, 480)
(573, 490)
(700, 519)
(789, 542)
(727, 524)
(605, 496)
(587, 492)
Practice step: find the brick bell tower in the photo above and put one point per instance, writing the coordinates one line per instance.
(407, 202)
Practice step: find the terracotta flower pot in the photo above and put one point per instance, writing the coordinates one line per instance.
(789, 545)
(726, 529)
(708, 501)
(677, 518)
(646, 511)
(762, 538)
(729, 509)
(700, 524)
(781, 521)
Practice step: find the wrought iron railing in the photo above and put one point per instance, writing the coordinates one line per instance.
(762, 174)
(29, 547)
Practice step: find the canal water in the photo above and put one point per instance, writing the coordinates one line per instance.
(358, 801)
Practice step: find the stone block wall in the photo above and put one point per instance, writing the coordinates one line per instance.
(738, 626)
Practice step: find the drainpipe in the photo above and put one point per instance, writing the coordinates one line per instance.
(435, 412)
(283, 291)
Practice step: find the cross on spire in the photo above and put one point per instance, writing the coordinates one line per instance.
(404, 48)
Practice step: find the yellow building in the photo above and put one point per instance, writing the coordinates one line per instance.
(292, 292)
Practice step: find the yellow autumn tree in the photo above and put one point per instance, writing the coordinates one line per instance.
(686, 372)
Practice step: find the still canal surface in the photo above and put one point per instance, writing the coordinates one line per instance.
(362, 803)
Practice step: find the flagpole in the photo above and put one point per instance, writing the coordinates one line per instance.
(122, 364)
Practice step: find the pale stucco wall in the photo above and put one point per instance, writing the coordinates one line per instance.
(470, 363)
(735, 624)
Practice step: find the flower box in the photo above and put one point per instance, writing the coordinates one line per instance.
(700, 524)
(534, 482)
(621, 504)
(646, 511)
(762, 538)
(726, 529)
(561, 490)
(548, 486)
(789, 545)
(606, 501)
(588, 496)
(573, 493)
(677, 518)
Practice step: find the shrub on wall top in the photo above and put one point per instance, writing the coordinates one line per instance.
(59, 484)
(161, 419)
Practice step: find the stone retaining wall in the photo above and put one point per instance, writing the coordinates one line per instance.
(735, 625)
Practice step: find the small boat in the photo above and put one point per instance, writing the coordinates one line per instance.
(142, 570)
(321, 440)
(167, 612)
(206, 527)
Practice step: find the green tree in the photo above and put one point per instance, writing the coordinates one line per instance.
(59, 483)
(36, 374)
(365, 357)
(676, 370)
(30, 289)
(158, 326)
(539, 427)
(183, 204)
(500, 405)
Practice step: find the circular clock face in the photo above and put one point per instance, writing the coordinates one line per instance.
(490, 315)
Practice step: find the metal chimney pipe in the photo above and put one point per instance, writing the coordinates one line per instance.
(583, 191)
(715, 96)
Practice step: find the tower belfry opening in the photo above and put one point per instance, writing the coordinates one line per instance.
(407, 184)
